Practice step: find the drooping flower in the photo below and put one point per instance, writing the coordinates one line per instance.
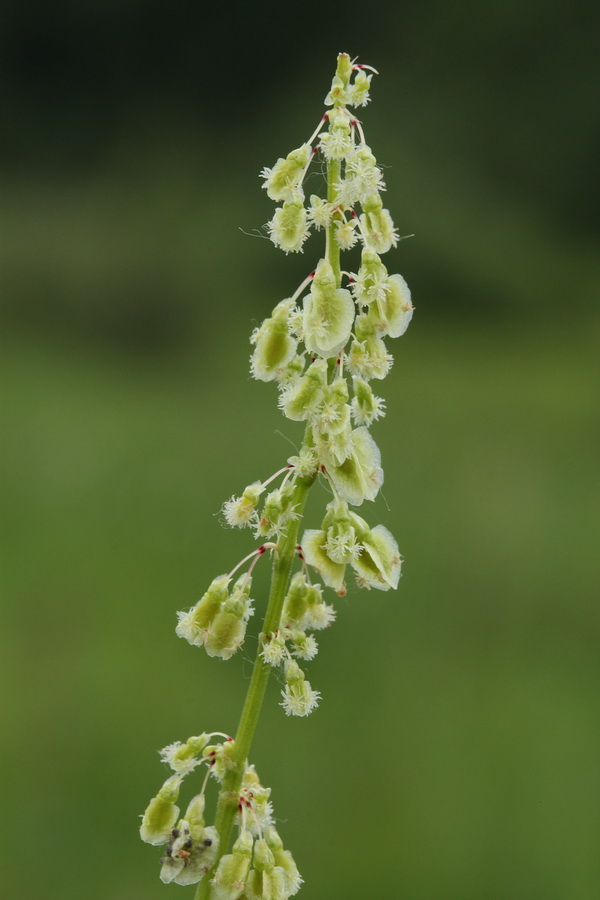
(314, 548)
(161, 813)
(379, 562)
(299, 699)
(360, 476)
(275, 347)
(328, 313)
(230, 878)
(288, 228)
(282, 180)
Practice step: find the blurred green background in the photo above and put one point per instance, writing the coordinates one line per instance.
(455, 754)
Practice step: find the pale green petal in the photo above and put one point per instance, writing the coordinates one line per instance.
(313, 548)
(380, 562)
(360, 476)
(328, 319)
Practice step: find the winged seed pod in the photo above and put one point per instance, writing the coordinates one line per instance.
(321, 347)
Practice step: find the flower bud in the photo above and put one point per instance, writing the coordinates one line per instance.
(296, 601)
(239, 601)
(182, 757)
(285, 860)
(302, 397)
(377, 225)
(227, 631)
(161, 814)
(286, 174)
(219, 757)
(366, 407)
(277, 511)
(337, 93)
(273, 649)
(333, 415)
(225, 636)
(194, 815)
(319, 614)
(304, 646)
(232, 871)
(192, 625)
(328, 314)
(288, 227)
(358, 92)
(241, 511)
(371, 282)
(275, 346)
(299, 699)
(369, 358)
(265, 881)
(337, 142)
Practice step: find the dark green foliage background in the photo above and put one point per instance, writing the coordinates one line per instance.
(455, 752)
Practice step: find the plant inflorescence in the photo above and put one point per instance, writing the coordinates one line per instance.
(322, 346)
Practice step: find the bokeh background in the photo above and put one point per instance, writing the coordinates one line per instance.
(455, 755)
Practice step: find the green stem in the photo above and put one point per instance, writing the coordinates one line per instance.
(334, 174)
(227, 805)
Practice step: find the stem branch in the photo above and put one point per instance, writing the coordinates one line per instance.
(227, 805)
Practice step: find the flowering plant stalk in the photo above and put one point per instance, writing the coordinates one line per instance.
(322, 346)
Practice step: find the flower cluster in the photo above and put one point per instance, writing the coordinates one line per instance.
(258, 867)
(218, 620)
(326, 344)
(322, 347)
(361, 181)
(191, 847)
(304, 610)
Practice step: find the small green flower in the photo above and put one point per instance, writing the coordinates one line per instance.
(285, 860)
(320, 212)
(302, 397)
(266, 881)
(288, 229)
(337, 142)
(227, 630)
(328, 314)
(377, 225)
(241, 511)
(360, 476)
(358, 92)
(366, 407)
(299, 699)
(162, 813)
(275, 345)
(230, 878)
(182, 758)
(379, 563)
(282, 180)
(193, 625)
(314, 548)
